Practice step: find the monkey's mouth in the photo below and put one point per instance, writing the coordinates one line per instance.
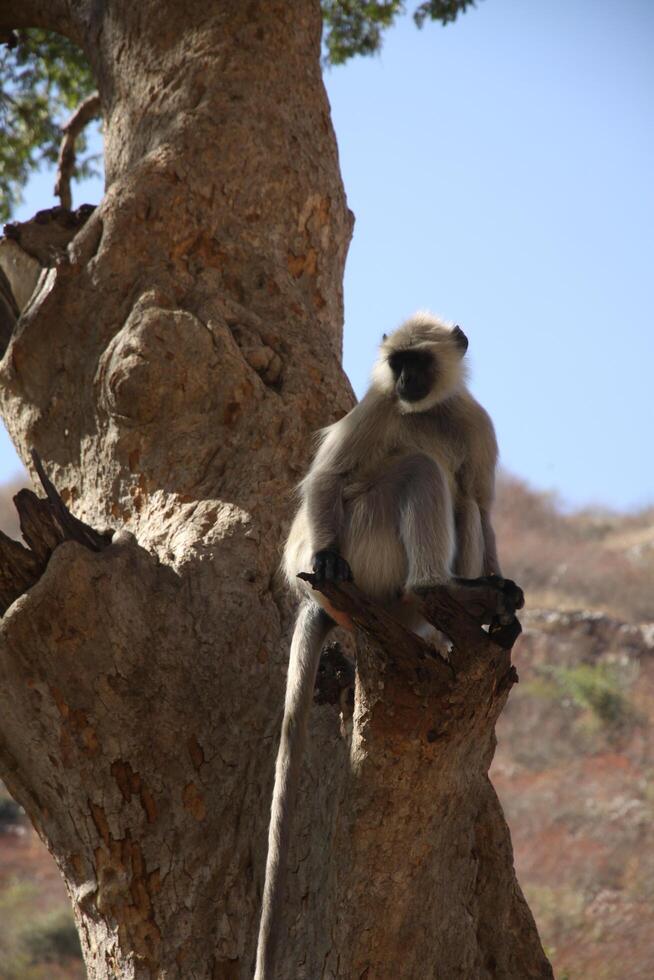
(412, 390)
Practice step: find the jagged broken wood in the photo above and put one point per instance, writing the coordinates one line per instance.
(47, 235)
(45, 523)
(410, 691)
(458, 609)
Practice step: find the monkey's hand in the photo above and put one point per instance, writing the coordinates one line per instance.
(331, 567)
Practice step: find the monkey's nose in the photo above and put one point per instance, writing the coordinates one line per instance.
(410, 387)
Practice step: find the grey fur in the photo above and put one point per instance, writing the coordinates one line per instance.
(403, 492)
(311, 630)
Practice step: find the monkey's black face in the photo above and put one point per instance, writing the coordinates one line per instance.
(414, 372)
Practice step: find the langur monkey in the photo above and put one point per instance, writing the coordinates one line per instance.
(398, 498)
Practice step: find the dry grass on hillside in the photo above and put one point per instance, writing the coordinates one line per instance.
(588, 559)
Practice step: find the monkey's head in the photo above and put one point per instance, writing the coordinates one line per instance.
(421, 363)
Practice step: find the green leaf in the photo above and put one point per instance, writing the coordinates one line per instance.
(354, 27)
(43, 78)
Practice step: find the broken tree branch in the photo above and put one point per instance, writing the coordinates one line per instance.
(70, 528)
(422, 741)
(458, 609)
(47, 235)
(408, 683)
(45, 524)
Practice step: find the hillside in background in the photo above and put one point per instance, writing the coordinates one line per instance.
(575, 761)
(574, 766)
(595, 559)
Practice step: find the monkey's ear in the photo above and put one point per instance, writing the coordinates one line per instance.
(384, 337)
(460, 339)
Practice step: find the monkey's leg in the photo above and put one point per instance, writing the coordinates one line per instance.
(470, 550)
(311, 630)
(426, 532)
(426, 521)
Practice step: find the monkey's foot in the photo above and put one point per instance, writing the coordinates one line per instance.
(329, 566)
(489, 601)
(491, 598)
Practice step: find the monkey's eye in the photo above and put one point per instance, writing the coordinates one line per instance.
(397, 360)
(409, 360)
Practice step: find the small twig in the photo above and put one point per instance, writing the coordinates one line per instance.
(85, 112)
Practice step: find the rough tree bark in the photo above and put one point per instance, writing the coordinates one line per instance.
(169, 371)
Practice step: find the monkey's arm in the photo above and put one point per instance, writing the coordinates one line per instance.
(343, 447)
(323, 492)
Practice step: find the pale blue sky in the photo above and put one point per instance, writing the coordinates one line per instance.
(500, 170)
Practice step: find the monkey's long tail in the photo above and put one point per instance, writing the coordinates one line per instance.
(311, 630)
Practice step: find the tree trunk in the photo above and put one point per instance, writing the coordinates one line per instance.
(170, 373)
